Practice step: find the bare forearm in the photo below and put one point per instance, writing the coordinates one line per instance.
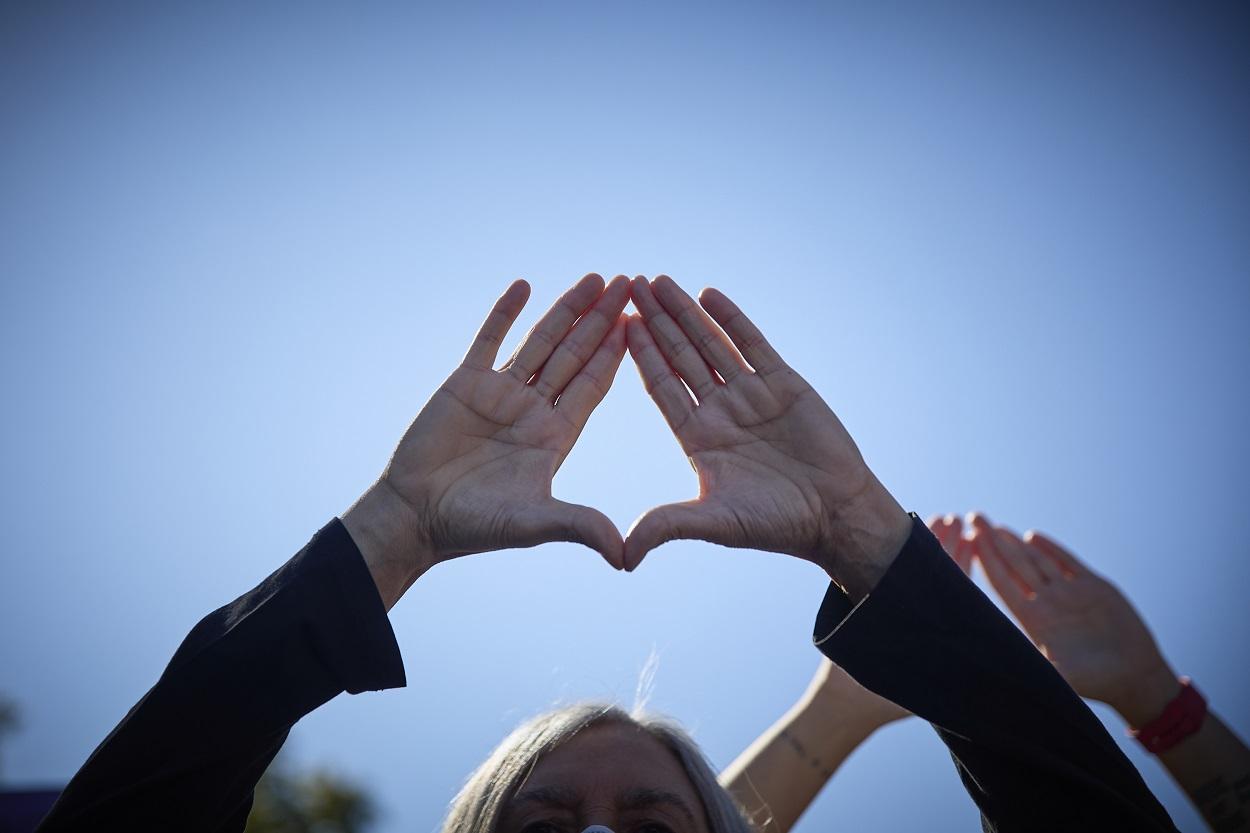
(1212, 766)
(779, 775)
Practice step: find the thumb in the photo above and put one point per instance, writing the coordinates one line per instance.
(669, 522)
(557, 520)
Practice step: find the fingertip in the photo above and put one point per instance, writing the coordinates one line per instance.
(710, 295)
(519, 290)
(641, 293)
(614, 557)
(978, 521)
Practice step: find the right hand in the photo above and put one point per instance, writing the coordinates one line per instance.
(777, 470)
(473, 472)
(1079, 620)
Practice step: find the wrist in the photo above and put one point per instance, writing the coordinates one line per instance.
(383, 528)
(863, 539)
(856, 713)
(1147, 696)
(831, 720)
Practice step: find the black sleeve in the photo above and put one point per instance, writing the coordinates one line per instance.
(1029, 751)
(189, 754)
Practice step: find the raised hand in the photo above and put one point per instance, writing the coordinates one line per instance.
(1079, 620)
(777, 471)
(474, 470)
(1100, 644)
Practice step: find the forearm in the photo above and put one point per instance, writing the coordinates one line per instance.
(779, 775)
(1212, 765)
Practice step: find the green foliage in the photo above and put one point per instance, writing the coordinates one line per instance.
(9, 716)
(311, 802)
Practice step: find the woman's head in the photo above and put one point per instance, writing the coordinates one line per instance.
(595, 764)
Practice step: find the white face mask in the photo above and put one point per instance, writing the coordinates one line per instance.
(597, 828)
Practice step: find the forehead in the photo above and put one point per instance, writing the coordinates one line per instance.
(606, 762)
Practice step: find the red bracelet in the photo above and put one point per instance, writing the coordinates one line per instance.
(1180, 719)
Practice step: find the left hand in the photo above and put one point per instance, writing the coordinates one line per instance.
(777, 471)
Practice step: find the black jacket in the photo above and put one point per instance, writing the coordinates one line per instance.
(189, 754)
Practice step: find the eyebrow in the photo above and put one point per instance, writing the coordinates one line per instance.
(642, 798)
(636, 799)
(551, 796)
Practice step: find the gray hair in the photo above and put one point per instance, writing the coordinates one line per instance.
(478, 807)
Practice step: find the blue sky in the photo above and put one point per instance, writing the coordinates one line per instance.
(241, 247)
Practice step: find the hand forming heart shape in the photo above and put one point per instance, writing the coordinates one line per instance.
(777, 471)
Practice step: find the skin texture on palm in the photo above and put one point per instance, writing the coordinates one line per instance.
(777, 470)
(1101, 645)
(473, 472)
(1078, 619)
(780, 774)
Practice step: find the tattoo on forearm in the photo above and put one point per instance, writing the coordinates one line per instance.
(799, 748)
(1224, 805)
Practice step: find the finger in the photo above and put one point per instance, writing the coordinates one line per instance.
(576, 349)
(672, 341)
(963, 555)
(663, 385)
(550, 330)
(485, 347)
(591, 384)
(944, 531)
(998, 570)
(698, 326)
(1037, 569)
(557, 520)
(1068, 564)
(670, 522)
(948, 529)
(746, 336)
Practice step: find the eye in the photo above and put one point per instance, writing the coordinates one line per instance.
(654, 827)
(541, 827)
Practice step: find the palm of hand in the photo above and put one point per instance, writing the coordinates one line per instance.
(1078, 619)
(478, 458)
(474, 469)
(763, 450)
(1093, 636)
(777, 470)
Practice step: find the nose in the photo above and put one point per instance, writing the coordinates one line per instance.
(597, 828)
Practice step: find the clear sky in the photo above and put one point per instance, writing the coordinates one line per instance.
(239, 248)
